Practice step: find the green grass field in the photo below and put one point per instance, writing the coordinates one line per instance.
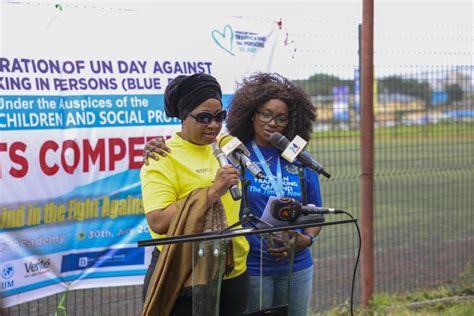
(442, 300)
(423, 173)
(423, 211)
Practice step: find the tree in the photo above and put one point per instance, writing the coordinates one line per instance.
(455, 93)
(322, 84)
(412, 87)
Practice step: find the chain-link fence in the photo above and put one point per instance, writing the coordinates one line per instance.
(424, 179)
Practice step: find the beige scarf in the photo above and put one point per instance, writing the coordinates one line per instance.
(174, 267)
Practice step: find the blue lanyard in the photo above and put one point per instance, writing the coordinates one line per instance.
(276, 183)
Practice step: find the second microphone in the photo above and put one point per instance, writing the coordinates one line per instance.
(237, 153)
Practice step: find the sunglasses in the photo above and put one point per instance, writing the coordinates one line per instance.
(205, 118)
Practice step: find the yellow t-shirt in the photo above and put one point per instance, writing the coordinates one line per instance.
(185, 169)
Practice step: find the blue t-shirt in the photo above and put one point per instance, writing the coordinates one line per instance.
(259, 190)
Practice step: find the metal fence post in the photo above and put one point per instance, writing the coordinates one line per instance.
(367, 154)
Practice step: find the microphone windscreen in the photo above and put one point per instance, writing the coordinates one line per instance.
(222, 140)
(279, 141)
(285, 209)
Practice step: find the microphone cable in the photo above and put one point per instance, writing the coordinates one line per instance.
(357, 261)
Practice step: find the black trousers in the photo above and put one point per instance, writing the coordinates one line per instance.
(154, 258)
(233, 293)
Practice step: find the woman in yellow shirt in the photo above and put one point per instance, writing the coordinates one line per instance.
(196, 101)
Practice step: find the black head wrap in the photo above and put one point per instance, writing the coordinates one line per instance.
(185, 93)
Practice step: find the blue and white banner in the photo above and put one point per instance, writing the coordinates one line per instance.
(340, 103)
(81, 92)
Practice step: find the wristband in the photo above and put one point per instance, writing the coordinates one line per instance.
(312, 238)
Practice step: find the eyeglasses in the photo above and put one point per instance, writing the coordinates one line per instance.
(205, 118)
(267, 117)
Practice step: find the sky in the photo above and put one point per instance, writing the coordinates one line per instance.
(409, 36)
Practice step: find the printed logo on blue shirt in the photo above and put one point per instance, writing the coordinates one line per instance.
(291, 169)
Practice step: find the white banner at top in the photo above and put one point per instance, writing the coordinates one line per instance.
(81, 93)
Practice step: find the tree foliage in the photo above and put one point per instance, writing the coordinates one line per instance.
(455, 93)
(322, 84)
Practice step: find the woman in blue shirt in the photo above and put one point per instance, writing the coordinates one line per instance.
(263, 104)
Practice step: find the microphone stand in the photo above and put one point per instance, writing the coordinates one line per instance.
(247, 217)
(304, 200)
(304, 194)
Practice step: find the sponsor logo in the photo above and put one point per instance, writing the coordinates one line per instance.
(40, 241)
(224, 39)
(81, 236)
(8, 271)
(83, 262)
(245, 42)
(102, 259)
(37, 266)
(295, 147)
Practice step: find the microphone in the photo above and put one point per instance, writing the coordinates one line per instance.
(288, 209)
(238, 153)
(281, 142)
(234, 189)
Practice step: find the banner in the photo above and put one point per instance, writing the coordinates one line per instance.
(81, 93)
(340, 103)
